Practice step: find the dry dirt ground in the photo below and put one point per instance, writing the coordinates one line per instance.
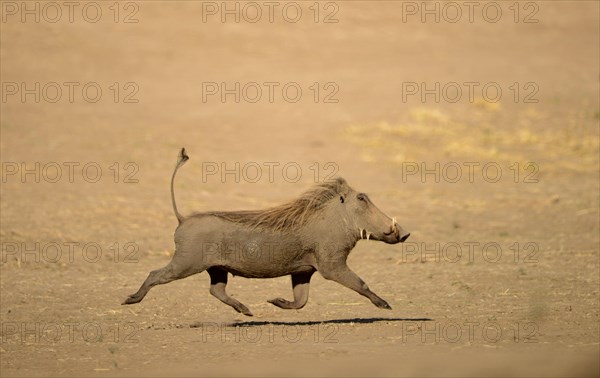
(499, 278)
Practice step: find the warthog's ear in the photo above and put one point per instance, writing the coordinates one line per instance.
(342, 186)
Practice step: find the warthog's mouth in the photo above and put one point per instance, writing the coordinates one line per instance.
(364, 234)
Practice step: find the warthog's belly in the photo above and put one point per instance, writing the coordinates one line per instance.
(259, 256)
(267, 272)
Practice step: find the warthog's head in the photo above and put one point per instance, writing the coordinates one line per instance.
(368, 221)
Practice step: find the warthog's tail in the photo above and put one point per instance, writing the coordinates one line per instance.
(181, 159)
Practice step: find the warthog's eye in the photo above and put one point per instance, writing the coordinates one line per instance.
(361, 197)
(342, 199)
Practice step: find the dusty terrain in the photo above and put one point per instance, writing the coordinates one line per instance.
(500, 276)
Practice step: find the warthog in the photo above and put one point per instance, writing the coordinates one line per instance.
(314, 232)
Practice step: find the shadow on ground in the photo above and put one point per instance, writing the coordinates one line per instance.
(314, 322)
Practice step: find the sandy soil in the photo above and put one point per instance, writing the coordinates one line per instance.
(499, 278)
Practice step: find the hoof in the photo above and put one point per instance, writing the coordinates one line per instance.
(383, 304)
(286, 305)
(279, 302)
(131, 300)
(244, 310)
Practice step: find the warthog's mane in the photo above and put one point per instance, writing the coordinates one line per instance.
(290, 215)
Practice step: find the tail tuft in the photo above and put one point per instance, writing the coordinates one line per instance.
(183, 157)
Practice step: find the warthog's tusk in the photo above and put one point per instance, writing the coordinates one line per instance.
(361, 232)
(368, 235)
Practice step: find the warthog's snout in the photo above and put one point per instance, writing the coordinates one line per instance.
(396, 234)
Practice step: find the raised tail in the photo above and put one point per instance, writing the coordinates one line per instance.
(181, 159)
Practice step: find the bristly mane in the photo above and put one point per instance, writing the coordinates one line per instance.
(290, 215)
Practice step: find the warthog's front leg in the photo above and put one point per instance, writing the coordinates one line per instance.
(218, 281)
(300, 285)
(343, 275)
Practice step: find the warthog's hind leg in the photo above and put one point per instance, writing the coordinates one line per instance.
(158, 277)
(300, 285)
(343, 275)
(218, 281)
